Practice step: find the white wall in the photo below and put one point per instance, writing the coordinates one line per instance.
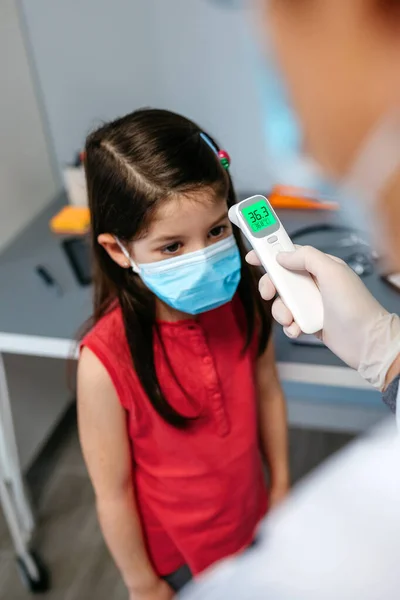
(94, 62)
(97, 59)
(207, 70)
(27, 182)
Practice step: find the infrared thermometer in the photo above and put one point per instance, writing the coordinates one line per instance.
(267, 236)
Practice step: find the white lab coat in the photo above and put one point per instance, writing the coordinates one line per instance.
(398, 408)
(337, 537)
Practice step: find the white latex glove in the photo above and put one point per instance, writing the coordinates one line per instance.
(356, 327)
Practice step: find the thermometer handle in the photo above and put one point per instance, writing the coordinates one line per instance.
(297, 289)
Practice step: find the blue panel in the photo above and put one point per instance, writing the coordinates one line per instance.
(331, 395)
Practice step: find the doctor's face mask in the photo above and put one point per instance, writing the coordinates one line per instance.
(347, 125)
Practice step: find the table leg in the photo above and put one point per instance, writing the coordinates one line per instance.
(13, 498)
(13, 492)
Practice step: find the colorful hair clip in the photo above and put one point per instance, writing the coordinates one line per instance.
(223, 156)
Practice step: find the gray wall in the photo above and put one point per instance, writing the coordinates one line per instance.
(90, 60)
(27, 182)
(97, 59)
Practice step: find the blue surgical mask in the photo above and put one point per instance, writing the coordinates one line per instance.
(196, 282)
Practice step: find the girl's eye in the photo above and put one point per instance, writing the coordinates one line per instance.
(217, 231)
(172, 248)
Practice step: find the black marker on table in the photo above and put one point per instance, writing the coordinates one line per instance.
(48, 279)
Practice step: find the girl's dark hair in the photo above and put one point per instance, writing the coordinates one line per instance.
(133, 164)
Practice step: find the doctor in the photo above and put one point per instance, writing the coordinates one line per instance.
(338, 534)
(340, 59)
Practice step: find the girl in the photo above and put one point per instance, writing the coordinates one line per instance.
(177, 387)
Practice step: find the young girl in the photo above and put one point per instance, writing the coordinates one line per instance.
(177, 386)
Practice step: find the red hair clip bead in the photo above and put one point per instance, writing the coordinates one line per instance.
(224, 158)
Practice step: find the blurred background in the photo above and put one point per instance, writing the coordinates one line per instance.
(65, 67)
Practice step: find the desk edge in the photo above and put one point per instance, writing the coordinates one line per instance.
(325, 375)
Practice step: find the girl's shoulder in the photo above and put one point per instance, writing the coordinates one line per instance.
(107, 336)
(107, 341)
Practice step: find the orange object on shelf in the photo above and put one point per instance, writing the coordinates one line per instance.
(71, 220)
(299, 199)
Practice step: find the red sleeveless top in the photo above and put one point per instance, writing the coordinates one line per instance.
(200, 492)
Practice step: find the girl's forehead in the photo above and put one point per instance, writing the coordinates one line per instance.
(197, 203)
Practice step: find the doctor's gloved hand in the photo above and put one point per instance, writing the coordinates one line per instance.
(356, 327)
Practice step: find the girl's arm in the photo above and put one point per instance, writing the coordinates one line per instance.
(105, 445)
(273, 424)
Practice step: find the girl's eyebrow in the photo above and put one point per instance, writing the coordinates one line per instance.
(165, 238)
(162, 239)
(221, 218)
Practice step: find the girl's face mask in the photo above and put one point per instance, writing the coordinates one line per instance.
(195, 282)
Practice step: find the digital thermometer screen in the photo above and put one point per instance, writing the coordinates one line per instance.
(259, 216)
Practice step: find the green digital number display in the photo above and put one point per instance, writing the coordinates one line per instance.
(258, 216)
